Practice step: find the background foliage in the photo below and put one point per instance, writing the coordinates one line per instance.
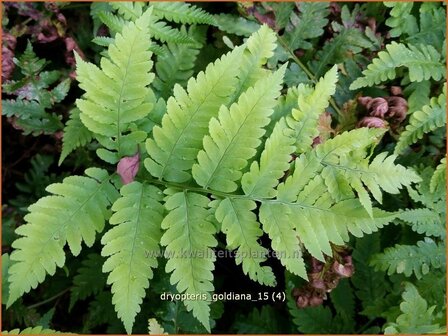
(391, 61)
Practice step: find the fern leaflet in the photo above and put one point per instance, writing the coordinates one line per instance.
(118, 95)
(439, 176)
(226, 153)
(173, 150)
(429, 118)
(188, 239)
(75, 135)
(131, 247)
(411, 259)
(74, 213)
(423, 62)
(180, 12)
(242, 230)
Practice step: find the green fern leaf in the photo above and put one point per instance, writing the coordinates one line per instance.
(263, 177)
(242, 230)
(118, 94)
(173, 150)
(417, 94)
(89, 280)
(439, 176)
(175, 66)
(74, 213)
(417, 318)
(236, 25)
(188, 239)
(423, 62)
(429, 118)
(75, 135)
(312, 103)
(161, 31)
(113, 22)
(226, 154)
(131, 247)
(411, 259)
(260, 47)
(180, 12)
(308, 24)
(425, 221)
(128, 10)
(401, 20)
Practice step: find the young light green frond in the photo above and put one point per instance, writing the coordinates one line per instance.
(425, 221)
(401, 20)
(74, 213)
(177, 141)
(422, 61)
(227, 152)
(259, 48)
(417, 318)
(263, 177)
(181, 12)
(236, 24)
(118, 94)
(132, 246)
(309, 164)
(411, 259)
(242, 230)
(429, 118)
(439, 176)
(312, 103)
(175, 66)
(382, 173)
(276, 223)
(75, 135)
(188, 239)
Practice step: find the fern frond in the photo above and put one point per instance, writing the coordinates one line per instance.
(75, 135)
(236, 25)
(284, 240)
(425, 221)
(308, 25)
(401, 20)
(161, 31)
(112, 21)
(299, 129)
(132, 246)
(89, 280)
(439, 176)
(422, 61)
(175, 66)
(429, 118)
(242, 230)
(411, 259)
(74, 213)
(128, 10)
(118, 94)
(180, 12)
(226, 153)
(188, 239)
(312, 103)
(417, 318)
(263, 177)
(174, 149)
(259, 48)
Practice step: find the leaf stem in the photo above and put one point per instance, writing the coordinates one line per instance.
(41, 303)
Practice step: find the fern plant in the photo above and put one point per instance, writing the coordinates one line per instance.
(211, 163)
